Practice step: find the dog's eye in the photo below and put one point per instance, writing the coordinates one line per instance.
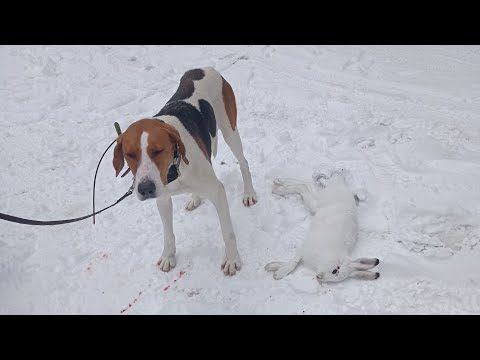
(157, 152)
(334, 271)
(130, 155)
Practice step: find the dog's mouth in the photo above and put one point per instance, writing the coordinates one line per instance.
(143, 198)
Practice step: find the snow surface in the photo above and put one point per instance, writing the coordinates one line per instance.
(403, 120)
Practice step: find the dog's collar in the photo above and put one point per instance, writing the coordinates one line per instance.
(174, 169)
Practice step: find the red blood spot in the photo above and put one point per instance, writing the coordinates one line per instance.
(166, 288)
(182, 273)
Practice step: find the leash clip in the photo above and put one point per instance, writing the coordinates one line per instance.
(174, 169)
(130, 191)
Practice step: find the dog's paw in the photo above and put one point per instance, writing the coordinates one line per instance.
(249, 199)
(193, 203)
(166, 263)
(231, 266)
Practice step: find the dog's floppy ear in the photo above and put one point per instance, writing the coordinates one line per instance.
(175, 137)
(118, 160)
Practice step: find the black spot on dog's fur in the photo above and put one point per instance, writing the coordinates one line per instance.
(198, 124)
(186, 86)
(208, 115)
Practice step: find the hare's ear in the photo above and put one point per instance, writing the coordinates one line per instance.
(364, 263)
(365, 275)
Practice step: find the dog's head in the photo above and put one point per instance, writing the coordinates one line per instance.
(148, 145)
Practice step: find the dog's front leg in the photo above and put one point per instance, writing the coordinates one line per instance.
(231, 263)
(165, 208)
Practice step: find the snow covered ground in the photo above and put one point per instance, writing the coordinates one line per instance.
(403, 120)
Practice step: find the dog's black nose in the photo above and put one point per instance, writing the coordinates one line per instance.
(147, 188)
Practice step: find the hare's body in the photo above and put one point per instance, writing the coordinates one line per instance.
(332, 234)
(333, 228)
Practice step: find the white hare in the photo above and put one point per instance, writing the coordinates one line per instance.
(332, 234)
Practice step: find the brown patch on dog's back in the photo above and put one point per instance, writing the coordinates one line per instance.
(230, 104)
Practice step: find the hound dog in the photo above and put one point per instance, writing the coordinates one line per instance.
(171, 154)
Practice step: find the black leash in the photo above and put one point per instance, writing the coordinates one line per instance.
(95, 179)
(20, 220)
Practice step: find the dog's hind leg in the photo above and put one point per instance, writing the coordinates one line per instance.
(227, 122)
(216, 194)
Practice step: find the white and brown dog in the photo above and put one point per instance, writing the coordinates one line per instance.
(171, 153)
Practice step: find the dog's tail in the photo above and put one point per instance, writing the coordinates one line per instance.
(281, 269)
